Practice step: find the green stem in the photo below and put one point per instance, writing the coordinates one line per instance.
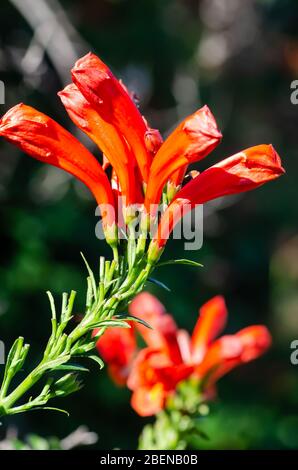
(61, 346)
(22, 388)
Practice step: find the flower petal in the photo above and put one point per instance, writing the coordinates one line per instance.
(105, 135)
(117, 346)
(211, 321)
(114, 105)
(230, 351)
(163, 334)
(191, 141)
(153, 366)
(44, 139)
(244, 171)
(255, 341)
(148, 308)
(145, 366)
(148, 401)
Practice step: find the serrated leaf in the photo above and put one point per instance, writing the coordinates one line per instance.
(188, 262)
(159, 283)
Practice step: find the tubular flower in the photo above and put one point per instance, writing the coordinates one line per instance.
(112, 102)
(244, 171)
(191, 141)
(145, 170)
(106, 136)
(172, 356)
(44, 139)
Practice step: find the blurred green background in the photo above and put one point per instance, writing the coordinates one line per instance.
(239, 58)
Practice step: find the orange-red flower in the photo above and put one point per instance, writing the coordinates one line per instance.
(118, 347)
(143, 166)
(242, 172)
(172, 356)
(191, 141)
(106, 136)
(44, 139)
(114, 105)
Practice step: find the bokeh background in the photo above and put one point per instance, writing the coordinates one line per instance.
(240, 58)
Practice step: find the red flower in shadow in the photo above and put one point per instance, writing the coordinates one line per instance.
(171, 355)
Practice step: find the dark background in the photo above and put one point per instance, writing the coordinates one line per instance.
(240, 58)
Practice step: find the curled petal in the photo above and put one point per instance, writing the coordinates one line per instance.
(255, 341)
(211, 321)
(244, 171)
(191, 141)
(44, 139)
(105, 135)
(114, 105)
(230, 351)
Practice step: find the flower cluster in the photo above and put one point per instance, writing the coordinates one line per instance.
(149, 177)
(172, 356)
(145, 170)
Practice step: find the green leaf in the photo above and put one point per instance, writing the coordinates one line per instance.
(108, 284)
(188, 262)
(91, 275)
(66, 385)
(133, 318)
(159, 283)
(97, 359)
(14, 352)
(73, 367)
(109, 324)
(54, 363)
(15, 360)
(52, 304)
(51, 408)
(83, 348)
